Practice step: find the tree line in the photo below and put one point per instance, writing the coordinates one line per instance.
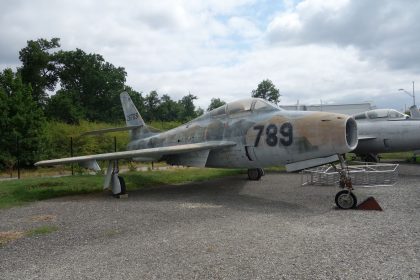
(72, 86)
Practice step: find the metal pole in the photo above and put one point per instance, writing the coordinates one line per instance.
(17, 156)
(71, 154)
(116, 167)
(414, 96)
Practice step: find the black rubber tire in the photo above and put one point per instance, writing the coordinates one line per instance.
(254, 174)
(261, 171)
(345, 201)
(122, 183)
(370, 158)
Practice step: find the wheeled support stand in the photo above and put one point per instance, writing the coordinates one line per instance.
(345, 199)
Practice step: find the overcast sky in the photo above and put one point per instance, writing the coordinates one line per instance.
(330, 50)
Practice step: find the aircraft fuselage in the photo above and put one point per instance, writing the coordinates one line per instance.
(262, 138)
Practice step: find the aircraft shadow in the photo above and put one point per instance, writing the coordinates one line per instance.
(232, 192)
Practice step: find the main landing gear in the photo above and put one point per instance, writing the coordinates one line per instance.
(345, 199)
(255, 174)
(113, 181)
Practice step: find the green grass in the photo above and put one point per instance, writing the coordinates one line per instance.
(41, 230)
(18, 192)
(408, 156)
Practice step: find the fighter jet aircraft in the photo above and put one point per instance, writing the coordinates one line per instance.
(385, 131)
(250, 133)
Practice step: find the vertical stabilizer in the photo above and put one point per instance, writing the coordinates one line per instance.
(414, 112)
(133, 118)
(132, 115)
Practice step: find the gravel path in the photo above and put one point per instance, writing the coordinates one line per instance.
(222, 229)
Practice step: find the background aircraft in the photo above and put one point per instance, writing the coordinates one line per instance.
(379, 130)
(385, 131)
(250, 133)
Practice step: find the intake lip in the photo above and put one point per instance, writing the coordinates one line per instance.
(351, 133)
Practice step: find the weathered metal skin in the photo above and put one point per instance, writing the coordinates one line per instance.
(389, 136)
(263, 138)
(386, 130)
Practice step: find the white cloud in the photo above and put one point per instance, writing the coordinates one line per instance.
(383, 30)
(331, 50)
(243, 27)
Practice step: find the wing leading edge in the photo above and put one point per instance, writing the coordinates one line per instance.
(150, 154)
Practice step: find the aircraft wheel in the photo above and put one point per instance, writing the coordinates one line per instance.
(122, 183)
(254, 174)
(345, 200)
(261, 172)
(371, 158)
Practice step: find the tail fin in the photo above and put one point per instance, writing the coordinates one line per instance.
(414, 112)
(133, 118)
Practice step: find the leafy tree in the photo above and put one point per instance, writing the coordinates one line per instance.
(169, 109)
(268, 91)
(39, 69)
(199, 111)
(187, 107)
(21, 118)
(215, 103)
(96, 83)
(64, 107)
(152, 103)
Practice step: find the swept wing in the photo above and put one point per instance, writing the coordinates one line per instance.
(151, 153)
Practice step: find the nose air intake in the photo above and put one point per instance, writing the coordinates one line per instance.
(351, 133)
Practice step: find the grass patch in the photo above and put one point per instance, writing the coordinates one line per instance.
(8, 236)
(18, 192)
(139, 180)
(408, 156)
(276, 169)
(41, 230)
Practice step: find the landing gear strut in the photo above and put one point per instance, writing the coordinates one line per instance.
(345, 199)
(255, 174)
(113, 181)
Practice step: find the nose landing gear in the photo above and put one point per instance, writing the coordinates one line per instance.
(345, 199)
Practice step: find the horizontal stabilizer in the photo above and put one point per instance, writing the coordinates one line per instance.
(299, 165)
(108, 130)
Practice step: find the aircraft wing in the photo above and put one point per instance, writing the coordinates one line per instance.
(188, 150)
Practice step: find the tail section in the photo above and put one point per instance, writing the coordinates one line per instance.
(414, 112)
(133, 118)
(132, 115)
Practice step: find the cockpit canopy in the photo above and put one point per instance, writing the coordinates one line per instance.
(242, 106)
(381, 114)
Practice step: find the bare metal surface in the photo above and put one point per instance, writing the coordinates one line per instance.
(386, 131)
(248, 133)
(222, 229)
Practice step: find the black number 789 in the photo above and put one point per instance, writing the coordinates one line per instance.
(285, 131)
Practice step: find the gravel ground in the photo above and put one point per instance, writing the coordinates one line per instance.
(222, 229)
